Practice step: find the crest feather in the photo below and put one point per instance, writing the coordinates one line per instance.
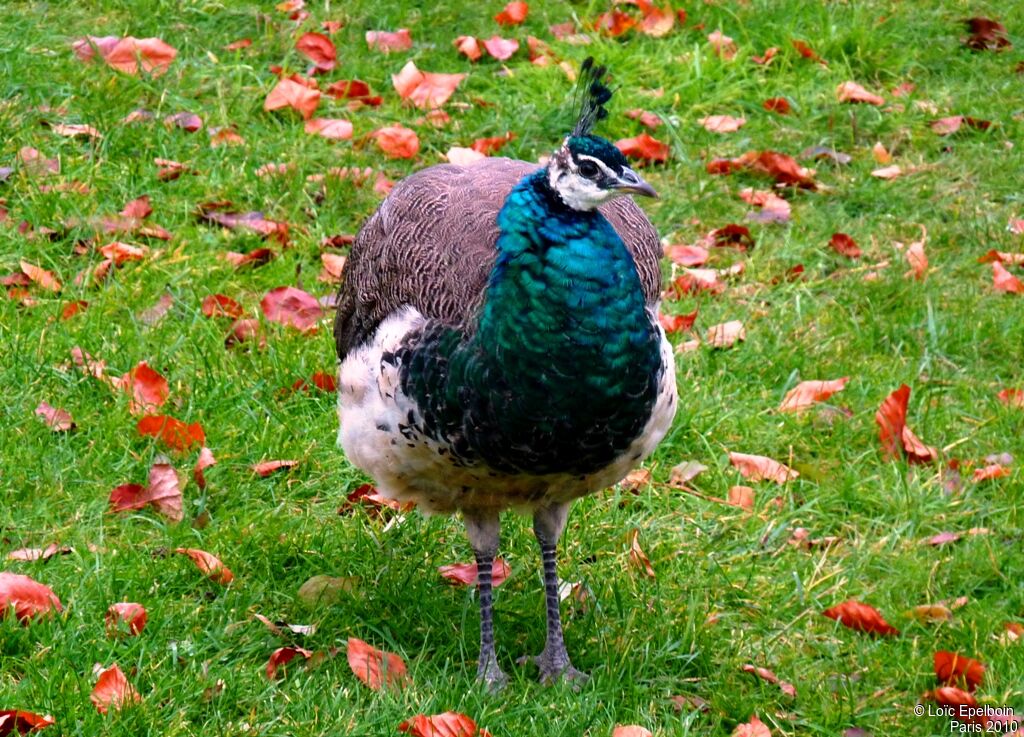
(590, 97)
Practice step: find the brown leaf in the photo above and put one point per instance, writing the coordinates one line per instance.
(73, 308)
(767, 56)
(643, 147)
(289, 93)
(952, 669)
(637, 557)
(893, 432)
(283, 656)
(986, 34)
(853, 92)
(807, 393)
(760, 468)
(466, 573)
(292, 307)
(319, 49)
(492, 145)
(173, 433)
(844, 245)
(188, 122)
(931, 613)
(772, 207)
(58, 420)
(754, 728)
(376, 668)
(28, 598)
(388, 41)
(209, 565)
(778, 105)
(916, 257)
(133, 615)
(513, 14)
(32, 554)
(397, 141)
(677, 323)
(163, 492)
(860, 617)
(888, 172)
(425, 89)
(71, 130)
(112, 691)
(265, 468)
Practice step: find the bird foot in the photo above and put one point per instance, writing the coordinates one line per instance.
(553, 669)
(490, 674)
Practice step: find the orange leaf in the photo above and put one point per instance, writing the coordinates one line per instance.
(860, 617)
(388, 41)
(741, 496)
(677, 323)
(893, 432)
(112, 691)
(289, 93)
(631, 730)
(172, 432)
(991, 471)
(513, 14)
(209, 564)
(647, 119)
(41, 276)
(754, 728)
(283, 656)
(492, 145)
(319, 49)
(951, 669)
(469, 46)
(336, 129)
(134, 615)
(726, 334)
(1012, 397)
(466, 573)
(657, 22)
(958, 699)
(807, 393)
(614, 22)
(425, 89)
(204, 461)
(265, 468)
(759, 468)
(376, 668)
(806, 51)
(888, 172)
(1004, 281)
(27, 597)
(220, 305)
(643, 147)
(722, 123)
(448, 724)
(687, 255)
(397, 141)
(853, 92)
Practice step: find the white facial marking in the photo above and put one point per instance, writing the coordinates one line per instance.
(576, 190)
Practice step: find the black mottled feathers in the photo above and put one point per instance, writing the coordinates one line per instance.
(431, 246)
(591, 95)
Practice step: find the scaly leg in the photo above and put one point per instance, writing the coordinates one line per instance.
(484, 531)
(554, 663)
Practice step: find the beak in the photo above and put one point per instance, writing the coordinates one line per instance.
(631, 182)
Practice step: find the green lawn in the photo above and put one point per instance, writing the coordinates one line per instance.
(728, 588)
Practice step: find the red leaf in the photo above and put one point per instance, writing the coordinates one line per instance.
(425, 89)
(989, 472)
(807, 393)
(397, 141)
(466, 573)
(289, 93)
(121, 253)
(189, 122)
(844, 245)
(22, 722)
(957, 699)
(614, 22)
(41, 276)
(134, 615)
(1012, 397)
(722, 45)
(893, 432)
(255, 257)
(242, 43)
(112, 691)
(321, 380)
(128, 54)
(778, 105)
(220, 305)
(687, 255)
(374, 667)
(448, 724)
(754, 728)
(57, 420)
(209, 564)
(163, 492)
(492, 145)
(763, 673)
(204, 461)
(387, 41)
(722, 123)
(768, 55)
(952, 669)
(758, 468)
(139, 208)
(643, 147)
(501, 48)
(677, 323)
(469, 46)
(1004, 281)
(986, 34)
(647, 119)
(631, 730)
(147, 388)
(773, 208)
(265, 468)
(806, 51)
(352, 89)
(173, 433)
(28, 598)
(513, 14)
(283, 656)
(860, 617)
(319, 49)
(73, 308)
(292, 307)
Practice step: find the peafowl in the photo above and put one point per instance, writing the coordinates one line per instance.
(499, 346)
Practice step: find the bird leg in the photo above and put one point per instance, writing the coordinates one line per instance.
(554, 663)
(484, 531)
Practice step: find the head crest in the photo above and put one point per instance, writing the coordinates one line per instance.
(590, 97)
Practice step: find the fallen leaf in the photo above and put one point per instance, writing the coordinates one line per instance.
(687, 255)
(614, 22)
(283, 656)
(335, 129)
(647, 119)
(210, 565)
(72, 130)
(676, 323)
(220, 305)
(861, 617)
(265, 468)
(32, 554)
(73, 308)
(952, 669)
(722, 123)
(893, 432)
(722, 45)
(204, 461)
(754, 728)
(931, 613)
(513, 14)
(631, 730)
(726, 334)
(853, 92)
(656, 22)
(255, 257)
(388, 41)
(397, 141)
(759, 468)
(58, 420)
(425, 89)
(501, 48)
(783, 168)
(326, 590)
(188, 122)
(173, 433)
(448, 724)
(463, 156)
(353, 89)
(289, 93)
(146, 388)
(132, 614)
(763, 673)
(683, 472)
(469, 46)
(637, 557)
(778, 105)
(741, 496)
(242, 43)
(28, 598)
(807, 393)
(844, 245)
(957, 699)
(466, 573)
(112, 691)
(766, 57)
(163, 492)
(1012, 397)
(807, 52)
(376, 668)
(986, 35)
(772, 207)
(1004, 281)
(22, 722)
(643, 147)
(128, 54)
(989, 472)
(292, 307)
(888, 172)
(492, 145)
(319, 49)
(40, 276)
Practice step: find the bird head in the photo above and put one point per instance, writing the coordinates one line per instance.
(588, 170)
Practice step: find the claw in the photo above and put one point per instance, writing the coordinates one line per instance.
(553, 670)
(491, 676)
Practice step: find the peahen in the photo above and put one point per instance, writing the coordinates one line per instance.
(500, 349)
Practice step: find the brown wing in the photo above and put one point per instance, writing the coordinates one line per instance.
(431, 245)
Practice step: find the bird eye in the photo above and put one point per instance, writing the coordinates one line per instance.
(589, 169)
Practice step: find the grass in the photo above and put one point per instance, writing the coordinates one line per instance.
(953, 339)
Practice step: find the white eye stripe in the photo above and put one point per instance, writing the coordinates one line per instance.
(604, 167)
